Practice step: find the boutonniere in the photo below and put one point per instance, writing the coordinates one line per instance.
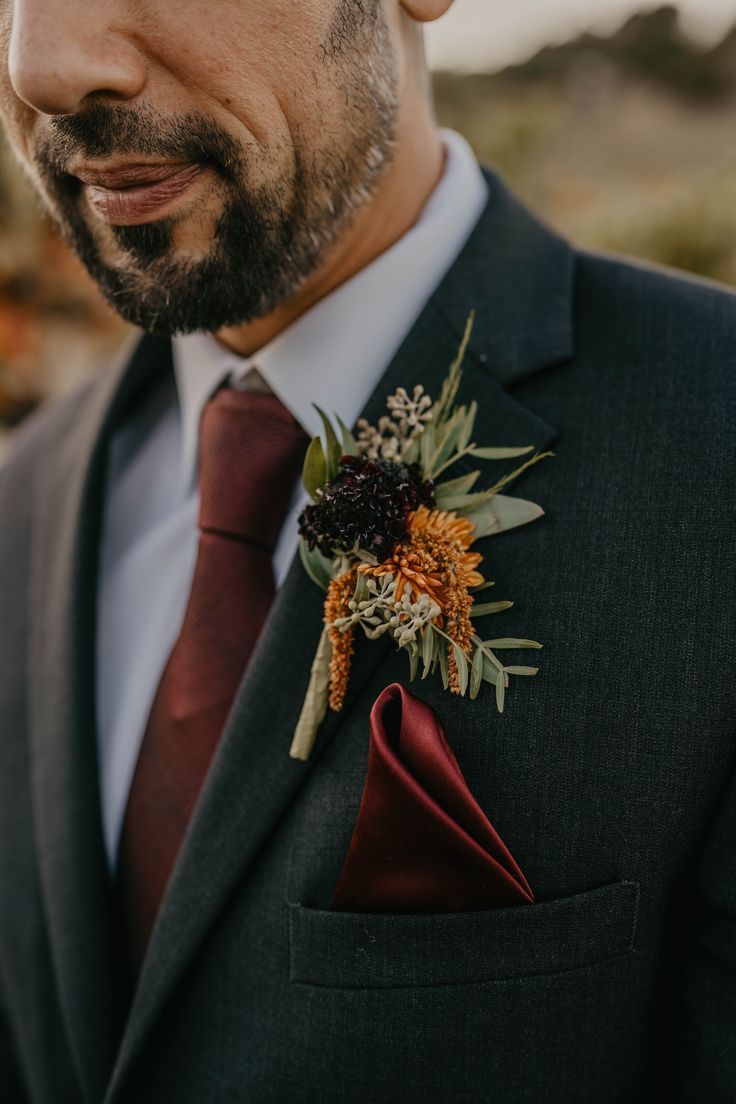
(391, 542)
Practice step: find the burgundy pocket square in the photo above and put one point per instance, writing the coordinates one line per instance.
(421, 842)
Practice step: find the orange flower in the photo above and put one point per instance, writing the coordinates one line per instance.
(411, 569)
(446, 525)
(435, 538)
(435, 561)
(442, 523)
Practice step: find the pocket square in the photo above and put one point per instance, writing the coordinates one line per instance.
(421, 842)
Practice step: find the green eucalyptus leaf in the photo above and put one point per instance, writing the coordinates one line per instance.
(314, 474)
(500, 692)
(500, 453)
(466, 431)
(500, 514)
(447, 438)
(426, 450)
(428, 649)
(348, 443)
(484, 519)
(486, 608)
(491, 673)
(444, 673)
(476, 673)
(411, 456)
(460, 486)
(333, 450)
(317, 566)
(466, 503)
(462, 667)
(413, 661)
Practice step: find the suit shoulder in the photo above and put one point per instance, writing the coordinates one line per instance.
(42, 431)
(646, 304)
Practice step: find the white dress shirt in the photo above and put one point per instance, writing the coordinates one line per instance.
(334, 356)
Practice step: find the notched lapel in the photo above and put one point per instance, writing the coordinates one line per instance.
(74, 876)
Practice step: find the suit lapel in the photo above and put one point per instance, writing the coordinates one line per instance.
(74, 877)
(517, 275)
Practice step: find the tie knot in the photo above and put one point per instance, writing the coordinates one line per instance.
(251, 451)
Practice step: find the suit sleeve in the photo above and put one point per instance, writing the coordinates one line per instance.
(707, 1051)
(11, 1089)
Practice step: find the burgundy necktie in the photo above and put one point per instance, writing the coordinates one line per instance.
(251, 451)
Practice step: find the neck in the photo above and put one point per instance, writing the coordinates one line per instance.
(403, 191)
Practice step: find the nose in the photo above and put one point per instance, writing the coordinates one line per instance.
(61, 53)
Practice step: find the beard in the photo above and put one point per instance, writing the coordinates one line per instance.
(267, 240)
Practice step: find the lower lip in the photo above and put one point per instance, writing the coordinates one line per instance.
(144, 203)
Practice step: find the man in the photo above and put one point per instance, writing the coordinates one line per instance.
(261, 188)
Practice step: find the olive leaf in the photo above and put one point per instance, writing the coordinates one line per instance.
(444, 672)
(349, 444)
(314, 475)
(317, 566)
(413, 660)
(461, 661)
(501, 513)
(466, 429)
(428, 649)
(501, 683)
(460, 486)
(486, 608)
(499, 453)
(334, 452)
(466, 503)
(476, 673)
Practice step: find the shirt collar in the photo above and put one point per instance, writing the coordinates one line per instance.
(335, 354)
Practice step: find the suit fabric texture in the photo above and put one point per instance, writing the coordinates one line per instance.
(610, 776)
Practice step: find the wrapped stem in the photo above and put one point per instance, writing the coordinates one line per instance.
(315, 703)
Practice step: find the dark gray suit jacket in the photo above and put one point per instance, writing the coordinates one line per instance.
(610, 776)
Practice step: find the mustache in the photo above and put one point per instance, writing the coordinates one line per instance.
(103, 131)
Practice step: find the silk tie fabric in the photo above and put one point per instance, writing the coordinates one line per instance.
(250, 454)
(421, 842)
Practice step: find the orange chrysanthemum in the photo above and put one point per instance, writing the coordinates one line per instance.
(435, 561)
(446, 525)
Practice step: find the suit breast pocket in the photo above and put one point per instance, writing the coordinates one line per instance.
(344, 950)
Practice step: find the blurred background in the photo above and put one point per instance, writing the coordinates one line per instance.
(615, 121)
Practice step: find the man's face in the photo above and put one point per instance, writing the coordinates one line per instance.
(201, 157)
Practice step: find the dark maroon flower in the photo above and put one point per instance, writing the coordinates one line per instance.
(367, 504)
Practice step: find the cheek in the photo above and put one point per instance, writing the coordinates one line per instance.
(263, 61)
(16, 119)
